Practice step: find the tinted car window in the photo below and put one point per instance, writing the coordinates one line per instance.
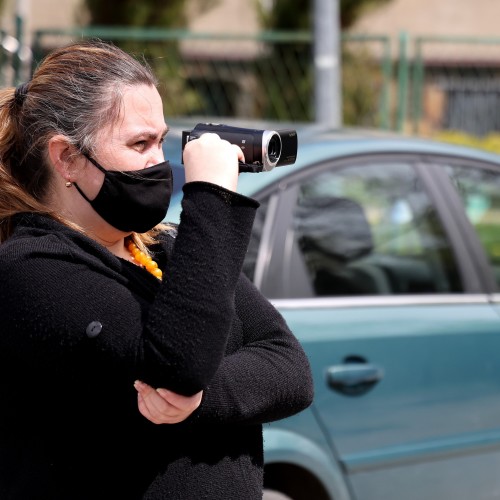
(479, 190)
(172, 151)
(255, 238)
(372, 230)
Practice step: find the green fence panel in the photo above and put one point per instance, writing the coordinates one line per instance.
(456, 84)
(270, 76)
(267, 76)
(9, 57)
(402, 82)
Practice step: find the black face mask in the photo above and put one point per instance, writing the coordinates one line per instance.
(135, 200)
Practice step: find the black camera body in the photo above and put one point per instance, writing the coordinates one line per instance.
(263, 149)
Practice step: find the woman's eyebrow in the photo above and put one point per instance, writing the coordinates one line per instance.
(150, 133)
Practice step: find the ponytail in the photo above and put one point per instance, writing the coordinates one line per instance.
(14, 198)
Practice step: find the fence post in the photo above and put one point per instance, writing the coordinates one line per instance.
(20, 20)
(418, 82)
(327, 79)
(385, 118)
(402, 81)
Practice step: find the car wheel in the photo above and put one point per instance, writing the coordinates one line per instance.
(274, 495)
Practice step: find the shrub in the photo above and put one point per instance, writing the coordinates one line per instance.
(490, 142)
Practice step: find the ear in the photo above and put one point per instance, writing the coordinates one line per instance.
(60, 153)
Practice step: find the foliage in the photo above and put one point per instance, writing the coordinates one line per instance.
(351, 10)
(164, 57)
(360, 79)
(143, 13)
(277, 64)
(490, 142)
(361, 86)
(283, 15)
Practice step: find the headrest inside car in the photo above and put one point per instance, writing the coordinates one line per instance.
(335, 226)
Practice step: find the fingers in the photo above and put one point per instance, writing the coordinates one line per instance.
(151, 405)
(239, 152)
(183, 403)
(144, 411)
(212, 159)
(163, 406)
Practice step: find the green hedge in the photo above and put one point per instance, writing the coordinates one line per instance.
(490, 142)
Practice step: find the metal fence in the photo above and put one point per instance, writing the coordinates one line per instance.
(421, 85)
(266, 76)
(456, 85)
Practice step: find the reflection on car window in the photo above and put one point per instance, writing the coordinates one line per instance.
(371, 230)
(480, 193)
(255, 239)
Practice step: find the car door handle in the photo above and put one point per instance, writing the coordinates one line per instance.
(353, 379)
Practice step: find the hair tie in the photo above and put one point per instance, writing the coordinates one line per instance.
(20, 93)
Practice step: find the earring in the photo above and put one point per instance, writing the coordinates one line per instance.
(68, 184)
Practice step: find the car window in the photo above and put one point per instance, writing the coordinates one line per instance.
(255, 239)
(371, 230)
(479, 190)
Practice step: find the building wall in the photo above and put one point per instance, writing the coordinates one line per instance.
(417, 17)
(227, 16)
(463, 18)
(434, 17)
(43, 14)
(476, 18)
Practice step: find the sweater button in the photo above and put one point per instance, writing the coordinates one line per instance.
(93, 329)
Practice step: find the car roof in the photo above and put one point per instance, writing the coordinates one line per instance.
(345, 141)
(318, 143)
(316, 146)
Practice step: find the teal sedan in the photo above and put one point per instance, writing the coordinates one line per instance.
(383, 255)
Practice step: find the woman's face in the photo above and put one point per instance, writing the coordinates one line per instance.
(133, 142)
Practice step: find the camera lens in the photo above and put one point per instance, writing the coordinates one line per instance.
(274, 148)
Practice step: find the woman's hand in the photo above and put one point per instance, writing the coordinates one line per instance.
(162, 406)
(212, 159)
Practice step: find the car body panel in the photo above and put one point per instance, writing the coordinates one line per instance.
(439, 393)
(286, 446)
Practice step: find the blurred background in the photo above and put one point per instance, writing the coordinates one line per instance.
(424, 67)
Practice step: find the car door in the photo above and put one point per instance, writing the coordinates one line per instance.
(371, 273)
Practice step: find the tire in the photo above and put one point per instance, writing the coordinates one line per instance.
(274, 495)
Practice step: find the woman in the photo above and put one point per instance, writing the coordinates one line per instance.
(136, 360)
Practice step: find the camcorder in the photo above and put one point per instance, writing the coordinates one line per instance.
(263, 149)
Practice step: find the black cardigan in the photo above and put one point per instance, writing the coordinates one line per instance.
(79, 325)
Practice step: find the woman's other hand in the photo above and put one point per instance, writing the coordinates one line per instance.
(162, 406)
(212, 159)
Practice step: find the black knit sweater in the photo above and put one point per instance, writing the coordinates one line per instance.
(79, 325)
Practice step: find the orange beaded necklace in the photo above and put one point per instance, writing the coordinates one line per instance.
(143, 259)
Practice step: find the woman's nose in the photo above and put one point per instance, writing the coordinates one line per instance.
(156, 157)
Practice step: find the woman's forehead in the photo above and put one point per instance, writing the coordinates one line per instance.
(141, 112)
